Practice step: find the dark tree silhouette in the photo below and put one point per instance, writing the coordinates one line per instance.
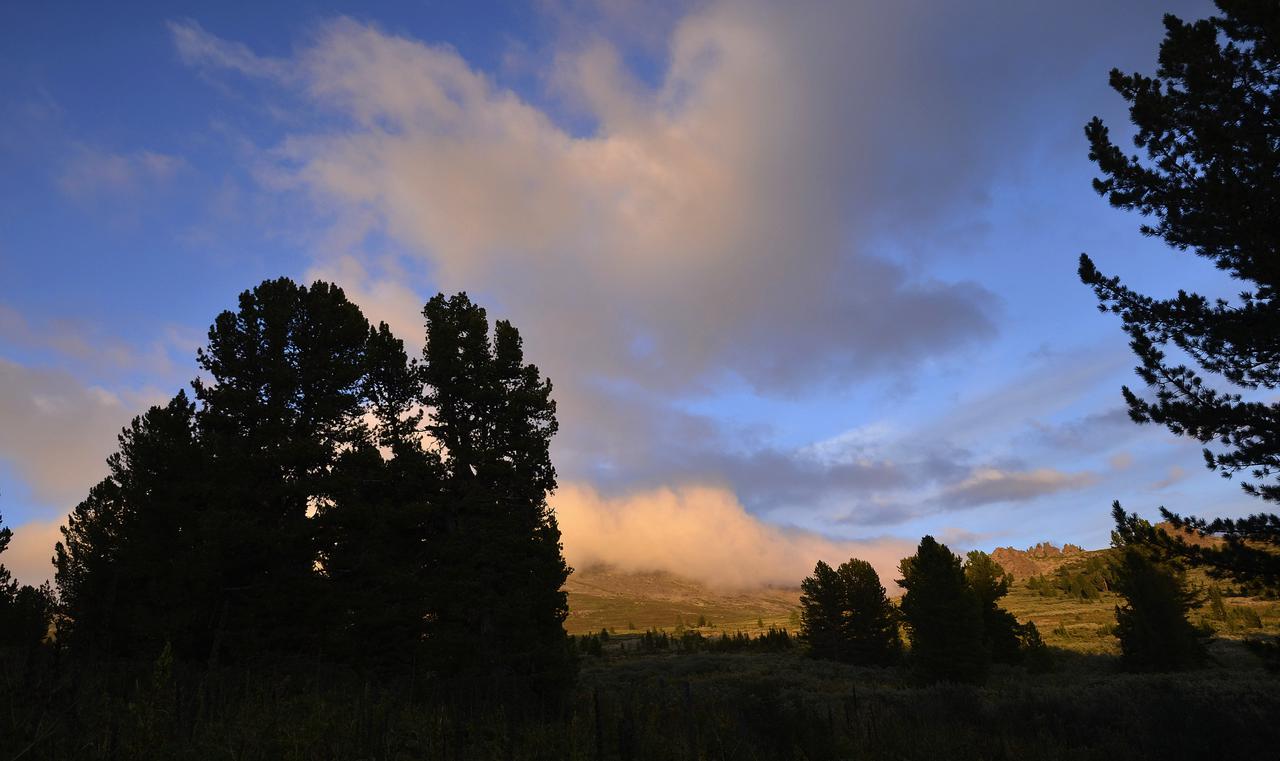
(131, 561)
(325, 494)
(200, 536)
(25, 611)
(1001, 630)
(497, 566)
(822, 612)
(846, 615)
(943, 616)
(1152, 625)
(283, 400)
(8, 587)
(1210, 182)
(373, 524)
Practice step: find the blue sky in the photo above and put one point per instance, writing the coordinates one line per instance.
(802, 274)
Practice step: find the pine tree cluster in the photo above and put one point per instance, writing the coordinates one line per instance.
(323, 495)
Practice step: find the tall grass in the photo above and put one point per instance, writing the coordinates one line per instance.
(751, 705)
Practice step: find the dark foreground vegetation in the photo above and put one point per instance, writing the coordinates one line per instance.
(750, 705)
(332, 551)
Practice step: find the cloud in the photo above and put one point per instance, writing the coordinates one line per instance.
(198, 48)
(58, 431)
(757, 209)
(1120, 461)
(702, 532)
(1086, 433)
(667, 222)
(1174, 475)
(992, 485)
(95, 173)
(85, 345)
(29, 556)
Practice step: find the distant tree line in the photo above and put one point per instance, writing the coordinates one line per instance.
(950, 612)
(324, 496)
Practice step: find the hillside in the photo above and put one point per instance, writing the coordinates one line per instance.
(601, 597)
(604, 597)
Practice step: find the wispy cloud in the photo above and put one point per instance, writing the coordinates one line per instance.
(994, 485)
(94, 173)
(196, 47)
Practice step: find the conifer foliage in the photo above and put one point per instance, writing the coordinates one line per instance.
(500, 608)
(1001, 631)
(25, 610)
(324, 494)
(846, 616)
(1152, 625)
(943, 615)
(1210, 184)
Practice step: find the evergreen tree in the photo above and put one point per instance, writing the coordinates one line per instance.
(1001, 630)
(25, 611)
(285, 398)
(870, 631)
(1210, 182)
(943, 616)
(822, 611)
(498, 569)
(373, 524)
(131, 561)
(8, 587)
(1154, 632)
(201, 537)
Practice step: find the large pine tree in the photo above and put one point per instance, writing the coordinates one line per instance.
(498, 569)
(943, 615)
(132, 561)
(1209, 182)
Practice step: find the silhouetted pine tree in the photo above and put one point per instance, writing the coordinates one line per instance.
(497, 567)
(1152, 625)
(846, 616)
(284, 399)
(132, 557)
(1210, 181)
(373, 525)
(870, 631)
(1001, 630)
(822, 611)
(25, 610)
(943, 615)
(8, 587)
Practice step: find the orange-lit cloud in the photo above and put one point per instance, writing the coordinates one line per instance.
(702, 532)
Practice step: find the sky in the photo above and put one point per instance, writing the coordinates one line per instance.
(802, 274)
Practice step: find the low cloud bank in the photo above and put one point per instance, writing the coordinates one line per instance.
(704, 533)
